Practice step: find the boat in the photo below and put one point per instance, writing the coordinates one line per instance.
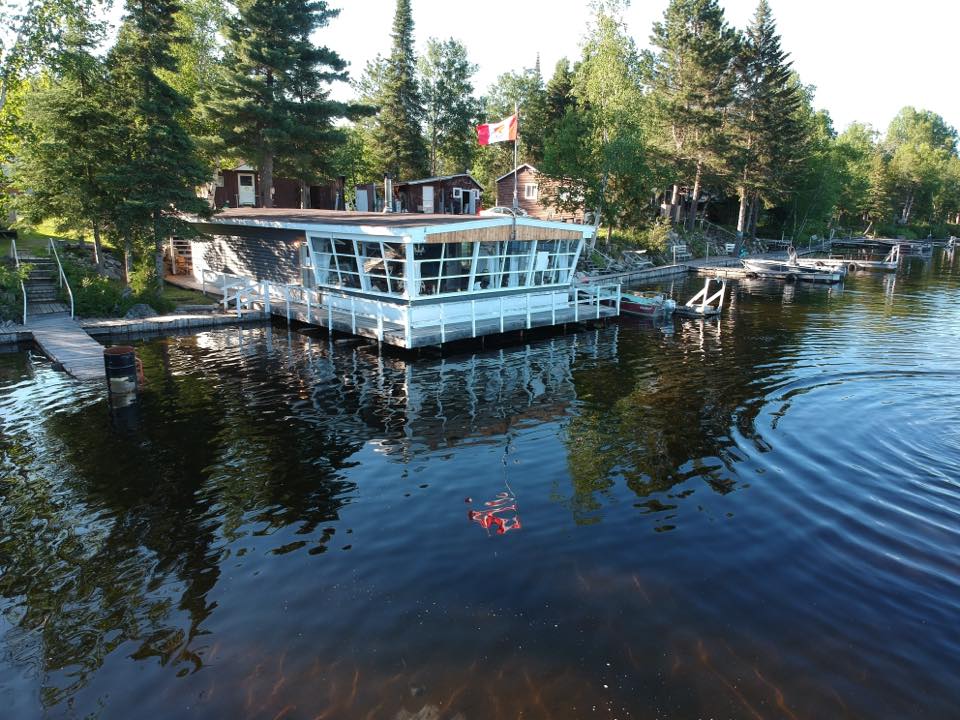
(646, 305)
(773, 266)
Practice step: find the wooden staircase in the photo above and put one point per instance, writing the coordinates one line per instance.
(42, 288)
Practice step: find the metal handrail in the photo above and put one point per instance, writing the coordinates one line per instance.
(63, 275)
(23, 289)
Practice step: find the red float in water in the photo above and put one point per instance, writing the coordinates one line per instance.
(501, 514)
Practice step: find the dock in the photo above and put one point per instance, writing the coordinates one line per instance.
(733, 272)
(66, 343)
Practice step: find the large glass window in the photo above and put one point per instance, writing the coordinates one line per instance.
(368, 265)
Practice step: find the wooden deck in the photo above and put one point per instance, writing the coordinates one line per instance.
(63, 340)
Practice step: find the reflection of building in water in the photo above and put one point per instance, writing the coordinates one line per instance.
(434, 403)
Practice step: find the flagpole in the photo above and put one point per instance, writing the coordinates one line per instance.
(516, 140)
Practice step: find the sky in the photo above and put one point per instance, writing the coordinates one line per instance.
(867, 58)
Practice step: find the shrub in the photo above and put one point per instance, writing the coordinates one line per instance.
(11, 299)
(98, 296)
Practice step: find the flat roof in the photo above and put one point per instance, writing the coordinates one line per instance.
(416, 226)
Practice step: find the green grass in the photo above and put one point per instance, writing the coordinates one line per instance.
(182, 296)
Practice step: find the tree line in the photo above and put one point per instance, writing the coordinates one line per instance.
(710, 122)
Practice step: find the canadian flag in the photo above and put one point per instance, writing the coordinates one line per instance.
(498, 132)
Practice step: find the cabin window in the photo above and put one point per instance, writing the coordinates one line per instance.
(531, 191)
(246, 180)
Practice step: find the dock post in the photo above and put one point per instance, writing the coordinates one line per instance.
(306, 292)
(553, 309)
(353, 316)
(443, 334)
(379, 328)
(527, 296)
(473, 317)
(501, 315)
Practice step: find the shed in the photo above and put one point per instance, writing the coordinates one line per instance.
(446, 195)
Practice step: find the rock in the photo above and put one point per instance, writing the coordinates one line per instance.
(138, 311)
(125, 293)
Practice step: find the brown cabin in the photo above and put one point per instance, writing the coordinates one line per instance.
(533, 189)
(445, 195)
(240, 187)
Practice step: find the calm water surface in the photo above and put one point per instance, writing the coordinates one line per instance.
(751, 518)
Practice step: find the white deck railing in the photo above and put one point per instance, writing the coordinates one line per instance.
(245, 294)
(63, 276)
(23, 289)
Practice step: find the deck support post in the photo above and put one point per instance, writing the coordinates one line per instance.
(473, 317)
(501, 315)
(329, 315)
(353, 316)
(306, 292)
(379, 328)
(443, 334)
(527, 297)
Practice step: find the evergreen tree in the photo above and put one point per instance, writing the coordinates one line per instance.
(160, 168)
(273, 103)
(450, 108)
(559, 95)
(692, 82)
(763, 119)
(398, 136)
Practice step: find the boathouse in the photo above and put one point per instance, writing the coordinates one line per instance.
(408, 279)
(535, 193)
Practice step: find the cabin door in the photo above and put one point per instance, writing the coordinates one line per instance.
(246, 194)
(428, 198)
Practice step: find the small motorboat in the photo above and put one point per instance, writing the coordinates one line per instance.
(646, 305)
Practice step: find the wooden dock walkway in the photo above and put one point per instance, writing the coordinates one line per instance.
(63, 340)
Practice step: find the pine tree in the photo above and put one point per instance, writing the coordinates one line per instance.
(449, 105)
(692, 83)
(559, 95)
(161, 169)
(398, 136)
(879, 202)
(764, 129)
(273, 104)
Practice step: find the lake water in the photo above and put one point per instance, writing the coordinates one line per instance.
(756, 517)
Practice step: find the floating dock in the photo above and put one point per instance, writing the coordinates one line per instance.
(63, 340)
(802, 276)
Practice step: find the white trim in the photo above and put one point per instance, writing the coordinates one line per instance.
(518, 168)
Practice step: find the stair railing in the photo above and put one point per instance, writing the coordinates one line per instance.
(23, 289)
(63, 276)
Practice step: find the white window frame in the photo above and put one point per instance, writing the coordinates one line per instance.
(531, 191)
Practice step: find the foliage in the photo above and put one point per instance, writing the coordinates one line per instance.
(512, 90)
(97, 296)
(399, 142)
(272, 105)
(160, 167)
(11, 297)
(66, 154)
(450, 110)
(692, 80)
(597, 153)
(764, 128)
